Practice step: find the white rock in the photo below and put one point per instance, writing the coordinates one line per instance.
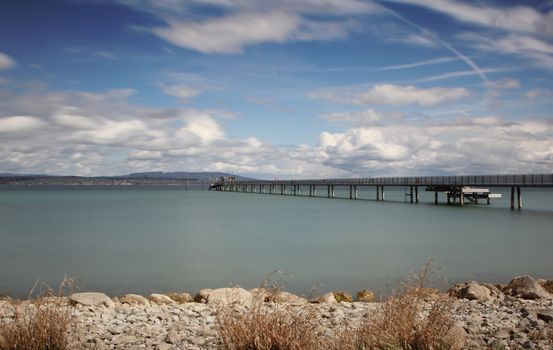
(225, 296)
(91, 299)
(134, 299)
(327, 298)
(161, 299)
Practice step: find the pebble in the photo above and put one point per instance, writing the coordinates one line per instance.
(506, 322)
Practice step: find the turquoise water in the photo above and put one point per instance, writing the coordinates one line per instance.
(161, 239)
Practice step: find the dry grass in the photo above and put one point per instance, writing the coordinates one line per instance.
(410, 319)
(270, 327)
(41, 323)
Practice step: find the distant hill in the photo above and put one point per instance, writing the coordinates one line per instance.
(21, 175)
(181, 175)
(189, 179)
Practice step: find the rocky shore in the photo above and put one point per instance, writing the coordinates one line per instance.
(518, 315)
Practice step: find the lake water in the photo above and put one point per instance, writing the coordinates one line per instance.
(162, 239)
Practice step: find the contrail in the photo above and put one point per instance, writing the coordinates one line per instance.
(434, 36)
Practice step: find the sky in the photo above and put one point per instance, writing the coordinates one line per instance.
(276, 88)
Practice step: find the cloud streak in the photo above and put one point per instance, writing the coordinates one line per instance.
(516, 18)
(390, 94)
(6, 61)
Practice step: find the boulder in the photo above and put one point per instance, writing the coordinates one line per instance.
(366, 296)
(471, 291)
(276, 296)
(181, 298)
(224, 296)
(134, 299)
(160, 299)
(494, 291)
(90, 299)
(526, 287)
(342, 296)
(547, 285)
(327, 298)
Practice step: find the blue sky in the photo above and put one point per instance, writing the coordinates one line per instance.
(288, 89)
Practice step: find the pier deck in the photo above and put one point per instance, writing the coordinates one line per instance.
(458, 189)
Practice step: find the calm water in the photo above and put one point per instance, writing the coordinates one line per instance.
(147, 240)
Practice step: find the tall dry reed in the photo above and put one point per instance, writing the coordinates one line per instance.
(40, 323)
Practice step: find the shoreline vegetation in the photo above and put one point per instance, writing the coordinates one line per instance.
(472, 315)
(188, 179)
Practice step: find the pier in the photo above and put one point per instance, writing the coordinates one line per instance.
(458, 190)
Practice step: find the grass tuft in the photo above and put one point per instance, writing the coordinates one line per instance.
(41, 323)
(270, 327)
(410, 320)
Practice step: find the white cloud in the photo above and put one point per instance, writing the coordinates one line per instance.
(389, 94)
(502, 84)
(250, 22)
(19, 123)
(537, 93)
(6, 61)
(231, 33)
(527, 47)
(366, 117)
(181, 91)
(517, 18)
(419, 40)
(104, 133)
(465, 146)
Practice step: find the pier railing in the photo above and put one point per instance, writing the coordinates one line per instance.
(519, 180)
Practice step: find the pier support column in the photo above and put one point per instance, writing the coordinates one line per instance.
(350, 192)
(519, 198)
(377, 193)
(328, 191)
(417, 194)
(355, 193)
(333, 193)
(461, 197)
(382, 193)
(448, 198)
(435, 197)
(285, 190)
(299, 190)
(314, 191)
(411, 194)
(512, 198)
